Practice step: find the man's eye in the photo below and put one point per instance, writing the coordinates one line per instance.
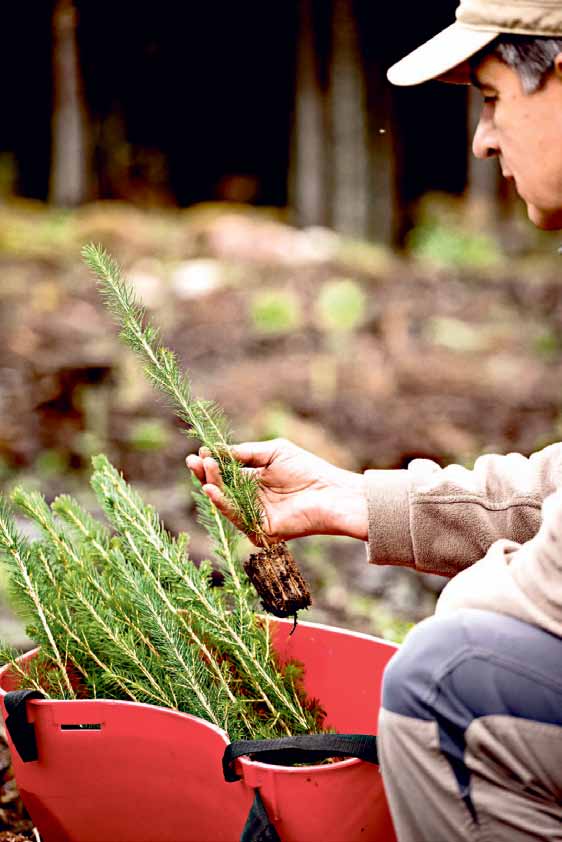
(490, 99)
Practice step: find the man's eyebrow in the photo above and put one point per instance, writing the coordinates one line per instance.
(474, 80)
(478, 83)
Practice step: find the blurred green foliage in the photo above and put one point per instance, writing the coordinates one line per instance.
(87, 444)
(37, 234)
(336, 591)
(452, 245)
(51, 463)
(5, 469)
(363, 256)
(394, 628)
(275, 311)
(93, 402)
(149, 434)
(340, 305)
(547, 343)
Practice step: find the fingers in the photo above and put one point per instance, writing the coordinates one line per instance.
(256, 454)
(217, 497)
(207, 472)
(195, 464)
(205, 469)
(251, 454)
(212, 472)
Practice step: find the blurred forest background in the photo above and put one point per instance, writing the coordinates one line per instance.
(321, 250)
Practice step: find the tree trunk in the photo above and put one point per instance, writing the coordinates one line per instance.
(349, 136)
(69, 162)
(308, 168)
(382, 194)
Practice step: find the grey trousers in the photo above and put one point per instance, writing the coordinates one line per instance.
(470, 731)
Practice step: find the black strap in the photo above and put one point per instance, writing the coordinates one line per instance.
(287, 751)
(258, 828)
(305, 748)
(21, 731)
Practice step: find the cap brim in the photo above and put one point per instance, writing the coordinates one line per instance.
(442, 57)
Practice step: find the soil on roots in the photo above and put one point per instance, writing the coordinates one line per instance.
(278, 581)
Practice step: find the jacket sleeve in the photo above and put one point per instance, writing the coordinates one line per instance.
(442, 520)
(523, 581)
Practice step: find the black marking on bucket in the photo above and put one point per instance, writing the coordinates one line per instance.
(81, 726)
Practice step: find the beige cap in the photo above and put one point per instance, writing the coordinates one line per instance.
(478, 23)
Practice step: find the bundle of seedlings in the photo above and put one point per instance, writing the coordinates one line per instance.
(120, 611)
(272, 571)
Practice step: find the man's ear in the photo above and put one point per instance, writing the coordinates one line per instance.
(558, 66)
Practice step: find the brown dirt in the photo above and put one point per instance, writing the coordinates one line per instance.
(278, 581)
(15, 824)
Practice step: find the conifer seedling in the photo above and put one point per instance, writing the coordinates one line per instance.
(272, 571)
(120, 611)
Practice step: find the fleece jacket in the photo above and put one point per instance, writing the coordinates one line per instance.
(497, 529)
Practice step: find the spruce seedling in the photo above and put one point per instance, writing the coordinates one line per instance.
(272, 571)
(123, 613)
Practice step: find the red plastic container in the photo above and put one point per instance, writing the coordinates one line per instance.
(112, 771)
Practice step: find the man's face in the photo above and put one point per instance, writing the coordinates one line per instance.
(525, 132)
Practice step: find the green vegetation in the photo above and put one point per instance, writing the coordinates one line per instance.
(275, 312)
(29, 230)
(356, 608)
(50, 463)
(124, 613)
(341, 305)
(454, 246)
(5, 470)
(149, 434)
(363, 256)
(547, 343)
(204, 419)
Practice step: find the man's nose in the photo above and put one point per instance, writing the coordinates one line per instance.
(485, 144)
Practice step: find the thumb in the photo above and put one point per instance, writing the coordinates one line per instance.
(256, 454)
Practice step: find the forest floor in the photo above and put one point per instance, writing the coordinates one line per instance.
(364, 357)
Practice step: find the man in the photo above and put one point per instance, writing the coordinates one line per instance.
(471, 725)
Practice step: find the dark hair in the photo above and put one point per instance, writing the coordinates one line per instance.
(531, 56)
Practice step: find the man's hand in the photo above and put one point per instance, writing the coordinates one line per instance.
(301, 494)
